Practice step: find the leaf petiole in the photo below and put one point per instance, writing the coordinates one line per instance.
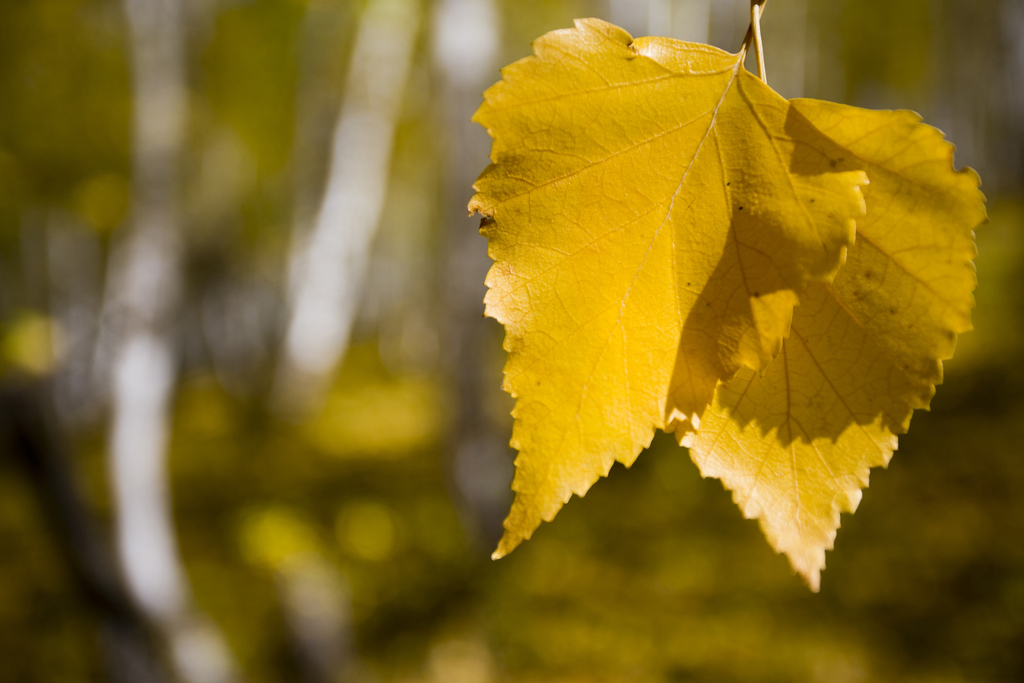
(754, 33)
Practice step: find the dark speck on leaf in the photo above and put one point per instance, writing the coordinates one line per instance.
(832, 163)
(757, 295)
(741, 208)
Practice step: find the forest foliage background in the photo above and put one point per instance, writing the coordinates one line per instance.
(242, 358)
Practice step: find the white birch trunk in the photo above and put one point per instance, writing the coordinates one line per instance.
(143, 291)
(328, 265)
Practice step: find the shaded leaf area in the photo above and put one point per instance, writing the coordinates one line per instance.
(796, 443)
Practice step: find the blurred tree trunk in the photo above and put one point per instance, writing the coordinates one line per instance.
(313, 593)
(466, 43)
(75, 268)
(143, 292)
(1011, 155)
(325, 32)
(328, 265)
(682, 19)
(980, 84)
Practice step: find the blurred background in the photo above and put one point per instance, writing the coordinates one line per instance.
(251, 425)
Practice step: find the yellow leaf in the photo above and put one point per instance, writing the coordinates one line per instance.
(796, 444)
(653, 211)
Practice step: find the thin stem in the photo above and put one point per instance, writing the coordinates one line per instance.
(746, 43)
(756, 10)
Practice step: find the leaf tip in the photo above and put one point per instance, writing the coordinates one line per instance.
(509, 542)
(808, 566)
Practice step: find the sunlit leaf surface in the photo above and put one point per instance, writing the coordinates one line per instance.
(655, 212)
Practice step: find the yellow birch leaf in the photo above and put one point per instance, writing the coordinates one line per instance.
(795, 445)
(654, 212)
